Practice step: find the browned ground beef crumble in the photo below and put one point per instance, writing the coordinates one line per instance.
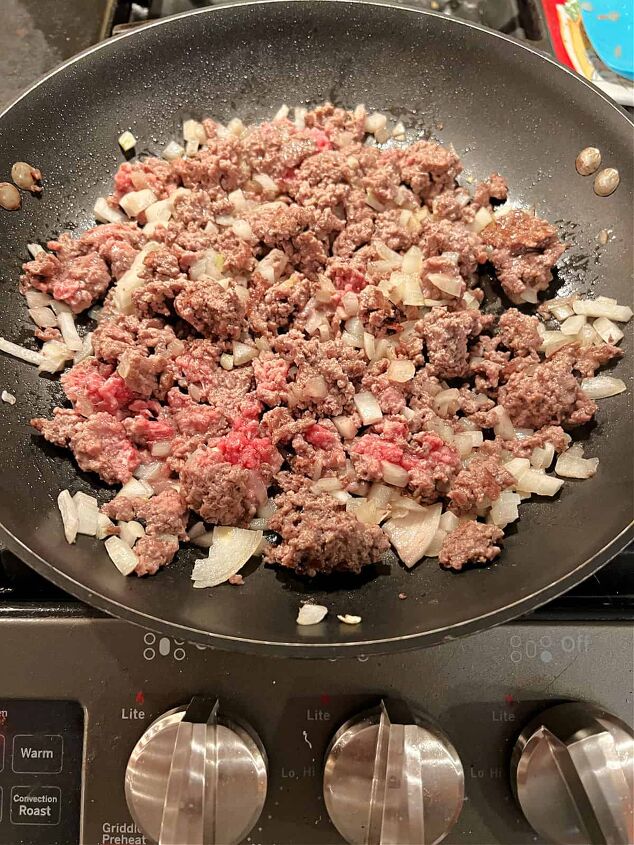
(278, 249)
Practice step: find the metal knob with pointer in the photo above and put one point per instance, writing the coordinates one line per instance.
(392, 778)
(573, 776)
(197, 776)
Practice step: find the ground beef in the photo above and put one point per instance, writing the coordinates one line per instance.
(78, 282)
(318, 536)
(165, 513)
(100, 444)
(216, 312)
(446, 337)
(61, 428)
(154, 552)
(518, 332)
(427, 168)
(553, 434)
(221, 492)
(495, 187)
(546, 394)
(470, 542)
(479, 484)
(524, 251)
(588, 360)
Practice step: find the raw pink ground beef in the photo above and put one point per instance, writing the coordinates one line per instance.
(282, 242)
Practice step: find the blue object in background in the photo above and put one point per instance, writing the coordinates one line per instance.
(609, 25)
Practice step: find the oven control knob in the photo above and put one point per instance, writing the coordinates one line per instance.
(196, 776)
(573, 776)
(391, 777)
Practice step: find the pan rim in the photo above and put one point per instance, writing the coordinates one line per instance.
(331, 648)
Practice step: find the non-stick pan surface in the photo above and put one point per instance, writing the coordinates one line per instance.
(503, 106)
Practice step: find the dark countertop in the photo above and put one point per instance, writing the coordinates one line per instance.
(37, 35)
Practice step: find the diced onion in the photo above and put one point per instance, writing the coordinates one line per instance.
(542, 456)
(35, 250)
(607, 330)
(130, 532)
(131, 280)
(412, 534)
(121, 555)
(66, 323)
(105, 213)
(482, 219)
(394, 474)
(600, 387)
(242, 353)
(571, 465)
(380, 494)
(282, 113)
(54, 356)
(43, 317)
(588, 337)
(447, 284)
(134, 202)
(413, 261)
(87, 513)
(311, 614)
(243, 230)
(534, 481)
(517, 466)
(572, 325)
(600, 308)
(105, 526)
(326, 485)
(553, 341)
(448, 521)
(194, 131)
(204, 540)
(389, 255)
(148, 472)
(345, 426)
(20, 352)
(401, 370)
(316, 387)
(366, 511)
(433, 549)
(561, 312)
(70, 517)
(412, 293)
(172, 151)
(505, 509)
(375, 122)
(127, 141)
(446, 402)
(503, 427)
(136, 487)
(529, 295)
(350, 304)
(37, 298)
(300, 115)
(231, 549)
(226, 361)
(348, 618)
(7, 397)
(368, 407)
(161, 449)
(159, 212)
(266, 183)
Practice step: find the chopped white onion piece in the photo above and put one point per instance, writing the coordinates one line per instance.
(600, 387)
(366, 510)
(161, 448)
(607, 330)
(37, 298)
(542, 456)
(368, 407)
(87, 513)
(121, 555)
(571, 465)
(446, 402)
(105, 527)
(243, 230)
(505, 509)
(70, 518)
(348, 618)
(226, 361)
(394, 474)
(130, 532)
(369, 346)
(552, 341)
(504, 427)
(482, 219)
(572, 325)
(105, 213)
(54, 356)
(194, 131)
(389, 255)
(412, 534)
(300, 115)
(43, 317)
(517, 466)
(231, 549)
(534, 481)
(350, 304)
(448, 521)
(159, 212)
(529, 295)
(134, 202)
(326, 485)
(150, 471)
(127, 141)
(242, 353)
(66, 323)
(20, 352)
(411, 291)
(172, 151)
(345, 426)
(197, 530)
(316, 388)
(447, 284)
(380, 494)
(131, 280)
(282, 113)
(600, 308)
(413, 261)
(311, 614)
(588, 337)
(401, 370)
(433, 549)
(35, 250)
(7, 397)
(136, 487)
(203, 541)
(267, 184)
(354, 327)
(561, 312)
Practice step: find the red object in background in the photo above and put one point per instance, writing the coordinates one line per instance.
(508, 699)
(139, 697)
(324, 699)
(552, 19)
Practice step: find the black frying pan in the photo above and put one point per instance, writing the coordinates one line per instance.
(504, 107)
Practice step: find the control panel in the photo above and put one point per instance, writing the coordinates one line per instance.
(41, 745)
(463, 743)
